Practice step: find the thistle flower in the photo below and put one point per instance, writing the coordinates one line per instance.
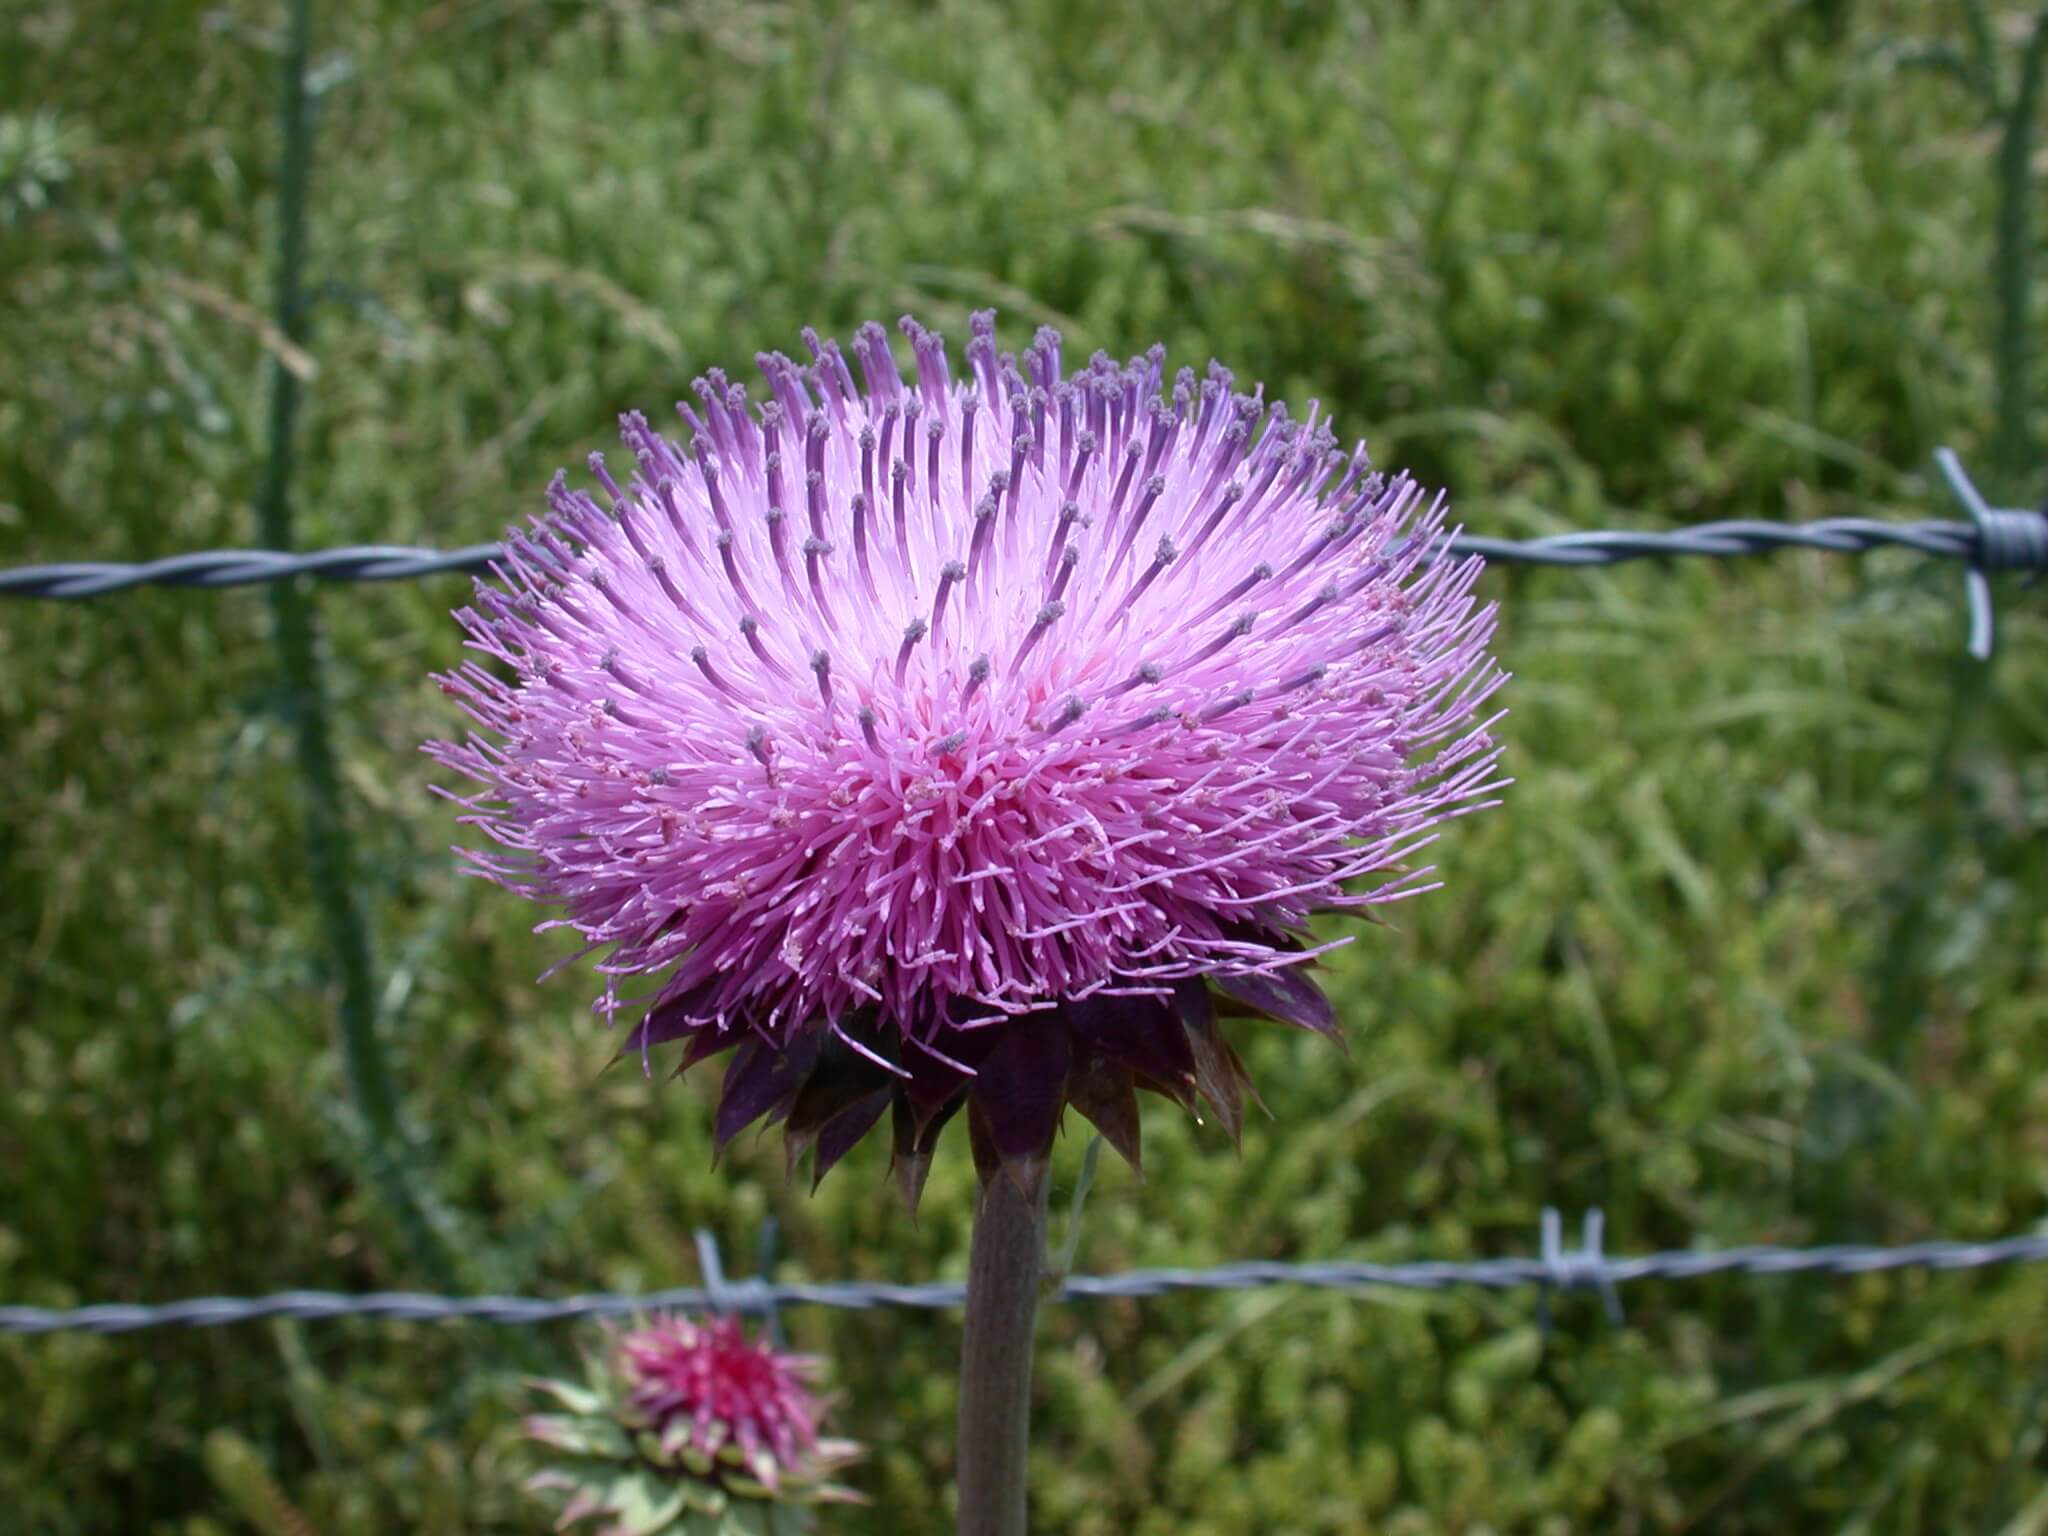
(938, 742)
(689, 1428)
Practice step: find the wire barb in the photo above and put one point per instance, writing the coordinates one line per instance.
(765, 1246)
(720, 1294)
(1582, 1269)
(2007, 540)
(712, 1268)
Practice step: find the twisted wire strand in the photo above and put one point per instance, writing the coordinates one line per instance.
(1559, 1268)
(2016, 548)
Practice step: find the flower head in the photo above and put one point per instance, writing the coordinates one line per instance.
(722, 1388)
(940, 742)
(682, 1424)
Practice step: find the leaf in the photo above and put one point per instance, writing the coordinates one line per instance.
(988, 1162)
(759, 1079)
(841, 1080)
(580, 1437)
(933, 1084)
(1022, 1087)
(912, 1146)
(642, 1505)
(582, 1506)
(707, 1497)
(674, 1018)
(838, 1493)
(1287, 995)
(648, 1517)
(840, 1077)
(575, 1398)
(237, 1469)
(1105, 1092)
(1217, 1071)
(846, 1128)
(1141, 1032)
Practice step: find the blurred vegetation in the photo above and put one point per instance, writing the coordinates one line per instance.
(1746, 957)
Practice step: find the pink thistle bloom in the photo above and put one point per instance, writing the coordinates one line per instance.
(724, 1389)
(683, 1423)
(942, 742)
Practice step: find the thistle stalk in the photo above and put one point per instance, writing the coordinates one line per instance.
(1003, 1274)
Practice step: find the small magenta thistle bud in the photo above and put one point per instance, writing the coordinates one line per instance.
(688, 1428)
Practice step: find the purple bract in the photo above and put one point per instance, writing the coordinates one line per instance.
(947, 741)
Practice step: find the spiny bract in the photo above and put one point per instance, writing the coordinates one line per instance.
(946, 741)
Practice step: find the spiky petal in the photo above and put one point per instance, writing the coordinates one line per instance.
(710, 1379)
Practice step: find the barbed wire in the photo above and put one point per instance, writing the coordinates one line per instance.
(1556, 1268)
(1993, 539)
(1953, 540)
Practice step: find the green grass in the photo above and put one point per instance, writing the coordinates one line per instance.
(1587, 264)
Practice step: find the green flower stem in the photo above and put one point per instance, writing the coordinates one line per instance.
(1070, 1244)
(1003, 1273)
(329, 857)
(2012, 264)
